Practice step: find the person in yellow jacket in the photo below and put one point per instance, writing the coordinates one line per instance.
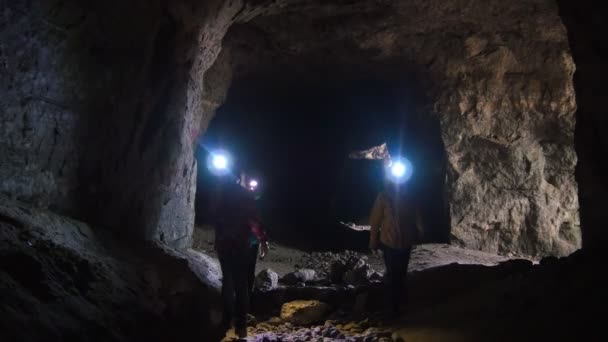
(395, 226)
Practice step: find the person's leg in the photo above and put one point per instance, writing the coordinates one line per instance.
(391, 279)
(252, 258)
(226, 263)
(404, 266)
(241, 287)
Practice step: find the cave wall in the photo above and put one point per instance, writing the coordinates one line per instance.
(498, 77)
(586, 24)
(101, 106)
(104, 101)
(507, 107)
(63, 280)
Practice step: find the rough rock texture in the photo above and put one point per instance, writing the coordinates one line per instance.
(585, 23)
(508, 126)
(330, 331)
(266, 280)
(349, 268)
(102, 104)
(514, 301)
(104, 101)
(299, 276)
(60, 280)
(496, 75)
(304, 311)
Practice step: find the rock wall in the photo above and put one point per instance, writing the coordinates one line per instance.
(507, 113)
(104, 101)
(61, 280)
(102, 105)
(498, 77)
(43, 97)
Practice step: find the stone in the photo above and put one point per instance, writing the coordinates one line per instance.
(376, 276)
(303, 312)
(266, 280)
(360, 274)
(71, 275)
(299, 276)
(396, 338)
(251, 320)
(504, 111)
(275, 321)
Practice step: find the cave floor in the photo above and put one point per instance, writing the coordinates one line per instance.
(284, 259)
(456, 295)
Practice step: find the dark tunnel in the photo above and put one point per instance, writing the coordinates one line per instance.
(296, 130)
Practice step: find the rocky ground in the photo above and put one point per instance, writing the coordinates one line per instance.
(284, 259)
(455, 295)
(62, 280)
(555, 300)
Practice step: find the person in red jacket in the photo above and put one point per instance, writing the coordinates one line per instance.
(239, 238)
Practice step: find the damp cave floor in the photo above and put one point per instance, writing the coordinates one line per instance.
(446, 310)
(284, 259)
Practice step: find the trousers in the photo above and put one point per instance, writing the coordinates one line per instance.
(238, 273)
(395, 277)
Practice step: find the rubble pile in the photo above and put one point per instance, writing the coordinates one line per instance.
(348, 268)
(276, 330)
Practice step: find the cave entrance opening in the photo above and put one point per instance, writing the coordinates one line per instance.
(295, 130)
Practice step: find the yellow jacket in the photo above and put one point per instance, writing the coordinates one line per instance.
(394, 223)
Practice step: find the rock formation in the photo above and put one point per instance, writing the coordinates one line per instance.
(266, 280)
(499, 84)
(113, 145)
(102, 103)
(59, 280)
(304, 312)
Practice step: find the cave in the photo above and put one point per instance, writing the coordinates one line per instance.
(295, 131)
(107, 109)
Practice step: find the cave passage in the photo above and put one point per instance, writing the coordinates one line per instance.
(295, 131)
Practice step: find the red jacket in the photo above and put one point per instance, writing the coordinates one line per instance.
(237, 223)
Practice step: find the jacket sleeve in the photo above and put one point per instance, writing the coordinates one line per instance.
(375, 220)
(256, 223)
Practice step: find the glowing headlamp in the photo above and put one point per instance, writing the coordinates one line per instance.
(219, 163)
(253, 184)
(400, 170)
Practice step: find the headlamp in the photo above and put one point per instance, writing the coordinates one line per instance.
(400, 170)
(219, 163)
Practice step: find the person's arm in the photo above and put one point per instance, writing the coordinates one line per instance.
(375, 220)
(258, 229)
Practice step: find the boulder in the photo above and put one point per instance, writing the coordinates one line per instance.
(360, 274)
(266, 280)
(304, 312)
(299, 276)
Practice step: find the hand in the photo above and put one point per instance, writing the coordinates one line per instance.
(263, 250)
